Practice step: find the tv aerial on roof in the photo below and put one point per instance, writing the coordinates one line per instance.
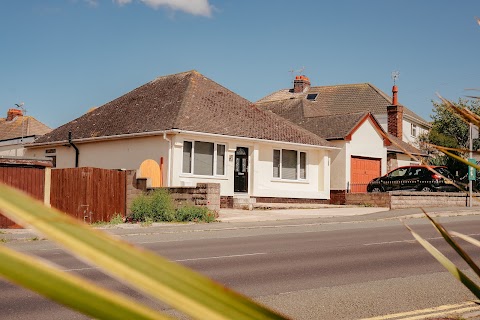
(299, 72)
(395, 76)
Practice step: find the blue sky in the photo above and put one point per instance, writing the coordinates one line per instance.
(62, 57)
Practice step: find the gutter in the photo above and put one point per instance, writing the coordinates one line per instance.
(169, 157)
(105, 138)
(176, 131)
(77, 152)
(252, 139)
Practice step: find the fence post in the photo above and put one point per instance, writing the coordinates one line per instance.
(47, 187)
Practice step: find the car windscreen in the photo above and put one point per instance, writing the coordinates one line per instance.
(444, 172)
(398, 173)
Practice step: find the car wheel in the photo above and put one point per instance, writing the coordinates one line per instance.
(377, 189)
(426, 189)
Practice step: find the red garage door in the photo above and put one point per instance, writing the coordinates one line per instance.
(363, 171)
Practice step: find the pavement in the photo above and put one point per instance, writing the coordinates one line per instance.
(269, 213)
(284, 212)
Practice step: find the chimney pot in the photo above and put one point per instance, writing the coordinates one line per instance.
(12, 113)
(300, 84)
(394, 96)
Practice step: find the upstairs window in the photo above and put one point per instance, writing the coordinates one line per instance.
(413, 130)
(289, 164)
(312, 96)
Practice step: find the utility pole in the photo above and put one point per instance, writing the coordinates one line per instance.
(470, 157)
(472, 171)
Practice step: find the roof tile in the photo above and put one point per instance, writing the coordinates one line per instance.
(21, 126)
(185, 101)
(339, 99)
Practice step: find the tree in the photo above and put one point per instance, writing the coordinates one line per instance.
(449, 130)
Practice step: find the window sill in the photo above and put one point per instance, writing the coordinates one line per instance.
(290, 181)
(194, 176)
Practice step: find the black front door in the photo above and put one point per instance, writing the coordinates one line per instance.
(241, 170)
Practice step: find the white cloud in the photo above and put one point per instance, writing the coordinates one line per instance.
(122, 2)
(92, 3)
(195, 7)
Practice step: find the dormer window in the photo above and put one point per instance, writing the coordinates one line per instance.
(413, 130)
(312, 96)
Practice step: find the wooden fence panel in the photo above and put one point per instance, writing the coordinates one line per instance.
(89, 194)
(29, 180)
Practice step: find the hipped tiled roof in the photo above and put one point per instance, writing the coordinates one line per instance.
(339, 99)
(326, 123)
(21, 126)
(186, 101)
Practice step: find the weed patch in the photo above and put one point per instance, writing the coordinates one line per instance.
(159, 206)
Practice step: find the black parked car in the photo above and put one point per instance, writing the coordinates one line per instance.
(418, 178)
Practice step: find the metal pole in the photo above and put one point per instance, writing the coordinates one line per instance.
(470, 182)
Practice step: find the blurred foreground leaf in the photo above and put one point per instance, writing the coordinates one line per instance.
(70, 290)
(178, 286)
(449, 265)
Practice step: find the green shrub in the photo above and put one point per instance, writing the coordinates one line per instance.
(156, 206)
(162, 206)
(159, 206)
(191, 212)
(141, 207)
(116, 219)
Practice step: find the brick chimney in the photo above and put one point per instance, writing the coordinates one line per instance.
(395, 116)
(300, 84)
(12, 113)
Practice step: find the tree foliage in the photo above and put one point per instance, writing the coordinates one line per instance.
(449, 130)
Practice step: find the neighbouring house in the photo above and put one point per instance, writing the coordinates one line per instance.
(363, 122)
(16, 130)
(200, 132)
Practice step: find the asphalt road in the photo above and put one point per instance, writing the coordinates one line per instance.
(307, 269)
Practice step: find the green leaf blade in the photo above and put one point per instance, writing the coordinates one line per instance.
(70, 290)
(447, 264)
(454, 245)
(180, 287)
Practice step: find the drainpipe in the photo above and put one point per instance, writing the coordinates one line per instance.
(74, 146)
(169, 157)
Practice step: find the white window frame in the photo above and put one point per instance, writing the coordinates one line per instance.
(413, 130)
(298, 177)
(215, 157)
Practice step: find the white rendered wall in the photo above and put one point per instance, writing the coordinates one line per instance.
(338, 168)
(130, 153)
(315, 186)
(111, 154)
(260, 170)
(14, 147)
(365, 142)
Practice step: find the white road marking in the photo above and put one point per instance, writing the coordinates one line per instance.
(181, 260)
(411, 241)
(389, 242)
(222, 257)
(430, 312)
